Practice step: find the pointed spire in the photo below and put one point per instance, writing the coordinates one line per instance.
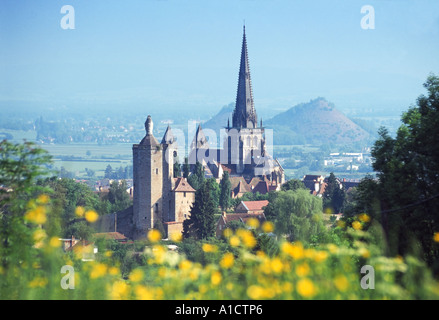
(244, 115)
(168, 137)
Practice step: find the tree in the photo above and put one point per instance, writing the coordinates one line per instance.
(186, 168)
(118, 196)
(334, 195)
(293, 184)
(201, 223)
(298, 214)
(226, 189)
(196, 179)
(407, 167)
(109, 174)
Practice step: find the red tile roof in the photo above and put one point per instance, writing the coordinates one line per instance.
(255, 205)
(111, 235)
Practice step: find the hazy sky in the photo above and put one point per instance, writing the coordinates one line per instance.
(184, 54)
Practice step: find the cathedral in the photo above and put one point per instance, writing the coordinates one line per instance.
(160, 198)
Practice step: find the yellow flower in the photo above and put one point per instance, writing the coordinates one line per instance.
(154, 235)
(99, 270)
(108, 253)
(253, 223)
(276, 265)
(302, 270)
(176, 237)
(267, 227)
(341, 283)
(247, 237)
(207, 247)
(43, 199)
(227, 233)
(364, 253)
(357, 225)
(320, 256)
(306, 288)
(436, 237)
(136, 275)
(255, 292)
(79, 211)
(39, 235)
(234, 241)
(185, 265)
(38, 282)
(119, 290)
(364, 217)
(227, 261)
(113, 271)
(143, 293)
(216, 278)
(37, 215)
(295, 250)
(55, 242)
(91, 216)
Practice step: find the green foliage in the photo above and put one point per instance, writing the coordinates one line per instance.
(297, 214)
(201, 223)
(334, 195)
(407, 167)
(196, 179)
(226, 189)
(293, 184)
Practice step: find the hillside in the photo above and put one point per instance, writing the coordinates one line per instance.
(219, 121)
(315, 122)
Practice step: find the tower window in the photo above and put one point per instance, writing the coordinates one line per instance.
(157, 171)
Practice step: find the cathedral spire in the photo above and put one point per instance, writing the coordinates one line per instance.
(244, 115)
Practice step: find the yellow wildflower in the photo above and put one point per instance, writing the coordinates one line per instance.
(154, 235)
(39, 235)
(216, 278)
(99, 270)
(253, 223)
(227, 233)
(267, 227)
(247, 237)
(38, 282)
(436, 237)
(143, 293)
(295, 250)
(79, 211)
(227, 260)
(37, 215)
(185, 265)
(364, 217)
(357, 225)
(55, 242)
(306, 288)
(91, 216)
(364, 253)
(302, 270)
(176, 237)
(43, 199)
(320, 256)
(113, 271)
(255, 292)
(341, 283)
(276, 265)
(234, 241)
(207, 247)
(119, 290)
(136, 275)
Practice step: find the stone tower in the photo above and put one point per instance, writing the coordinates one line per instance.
(169, 150)
(148, 182)
(245, 140)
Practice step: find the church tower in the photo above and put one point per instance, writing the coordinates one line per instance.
(245, 140)
(148, 182)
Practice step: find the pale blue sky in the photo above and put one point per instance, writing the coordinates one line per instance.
(184, 54)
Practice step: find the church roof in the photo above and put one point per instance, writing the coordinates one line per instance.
(149, 139)
(244, 115)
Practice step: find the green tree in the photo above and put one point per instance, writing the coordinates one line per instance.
(298, 215)
(118, 196)
(334, 195)
(186, 168)
(226, 189)
(196, 179)
(407, 167)
(201, 223)
(293, 184)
